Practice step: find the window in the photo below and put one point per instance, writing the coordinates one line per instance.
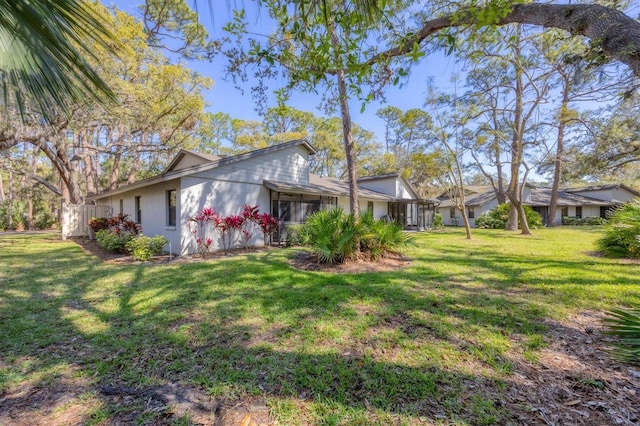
(564, 212)
(370, 206)
(171, 207)
(121, 206)
(138, 210)
(452, 213)
(578, 211)
(471, 214)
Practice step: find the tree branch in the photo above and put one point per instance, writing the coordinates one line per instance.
(614, 32)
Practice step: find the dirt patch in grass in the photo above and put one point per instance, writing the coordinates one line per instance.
(65, 402)
(575, 379)
(308, 262)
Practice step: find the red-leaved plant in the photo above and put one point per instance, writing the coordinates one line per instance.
(231, 225)
(201, 225)
(268, 225)
(251, 217)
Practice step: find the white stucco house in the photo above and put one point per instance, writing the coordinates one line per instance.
(589, 201)
(277, 179)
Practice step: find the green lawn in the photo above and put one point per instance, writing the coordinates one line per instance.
(421, 345)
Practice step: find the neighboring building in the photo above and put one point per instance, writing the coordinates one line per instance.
(277, 179)
(580, 202)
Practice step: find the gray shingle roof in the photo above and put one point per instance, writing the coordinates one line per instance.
(325, 186)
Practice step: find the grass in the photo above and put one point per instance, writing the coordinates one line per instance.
(420, 345)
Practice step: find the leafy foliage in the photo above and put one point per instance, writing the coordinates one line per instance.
(98, 223)
(497, 217)
(625, 324)
(379, 237)
(332, 235)
(438, 221)
(111, 241)
(583, 221)
(201, 226)
(120, 230)
(297, 235)
(622, 237)
(143, 247)
(335, 236)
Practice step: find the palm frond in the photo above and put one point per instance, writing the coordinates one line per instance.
(43, 51)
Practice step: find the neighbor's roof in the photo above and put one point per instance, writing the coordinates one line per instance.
(542, 197)
(219, 161)
(538, 196)
(471, 200)
(606, 187)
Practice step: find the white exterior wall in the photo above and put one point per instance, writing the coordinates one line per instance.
(478, 210)
(402, 191)
(380, 208)
(227, 198)
(385, 186)
(289, 165)
(392, 186)
(154, 210)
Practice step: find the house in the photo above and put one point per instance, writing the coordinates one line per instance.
(590, 201)
(277, 179)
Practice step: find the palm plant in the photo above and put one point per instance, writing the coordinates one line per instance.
(379, 237)
(43, 53)
(626, 325)
(332, 235)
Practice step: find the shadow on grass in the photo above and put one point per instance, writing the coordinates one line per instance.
(254, 326)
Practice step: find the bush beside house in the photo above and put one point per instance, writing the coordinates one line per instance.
(497, 217)
(622, 232)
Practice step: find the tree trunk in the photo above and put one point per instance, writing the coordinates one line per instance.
(349, 147)
(10, 204)
(516, 140)
(2, 195)
(34, 170)
(89, 161)
(559, 158)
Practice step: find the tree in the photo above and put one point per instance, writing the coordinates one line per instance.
(613, 34)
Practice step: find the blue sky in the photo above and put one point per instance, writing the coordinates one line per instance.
(224, 97)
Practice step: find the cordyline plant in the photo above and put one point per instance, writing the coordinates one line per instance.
(268, 225)
(229, 227)
(200, 225)
(208, 220)
(122, 224)
(251, 217)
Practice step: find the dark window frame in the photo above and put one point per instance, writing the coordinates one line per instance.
(138, 209)
(172, 204)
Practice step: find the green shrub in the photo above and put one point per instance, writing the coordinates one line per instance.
(332, 235)
(112, 241)
(143, 247)
(438, 221)
(497, 218)
(622, 232)
(625, 324)
(379, 237)
(297, 235)
(583, 221)
(43, 220)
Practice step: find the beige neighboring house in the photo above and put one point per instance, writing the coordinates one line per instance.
(588, 201)
(277, 179)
